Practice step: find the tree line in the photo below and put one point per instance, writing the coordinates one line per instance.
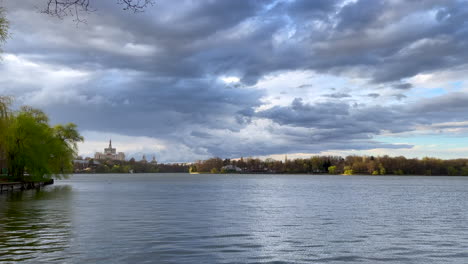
(118, 166)
(30, 148)
(367, 165)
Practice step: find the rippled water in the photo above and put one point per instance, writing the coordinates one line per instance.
(180, 218)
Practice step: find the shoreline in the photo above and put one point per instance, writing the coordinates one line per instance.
(255, 173)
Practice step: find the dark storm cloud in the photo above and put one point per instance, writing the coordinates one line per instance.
(399, 97)
(311, 10)
(452, 106)
(403, 86)
(149, 108)
(300, 114)
(171, 57)
(329, 122)
(254, 38)
(359, 15)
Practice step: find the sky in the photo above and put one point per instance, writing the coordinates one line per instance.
(187, 80)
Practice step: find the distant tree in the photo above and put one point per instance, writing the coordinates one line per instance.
(464, 171)
(209, 164)
(350, 165)
(115, 169)
(126, 169)
(348, 170)
(316, 164)
(382, 170)
(452, 171)
(192, 169)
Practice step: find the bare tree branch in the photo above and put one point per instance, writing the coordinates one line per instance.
(73, 8)
(135, 5)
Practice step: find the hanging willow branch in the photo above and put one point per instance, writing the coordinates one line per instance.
(73, 8)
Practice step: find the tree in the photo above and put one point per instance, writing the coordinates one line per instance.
(66, 137)
(332, 169)
(115, 169)
(5, 103)
(348, 170)
(35, 148)
(382, 170)
(452, 171)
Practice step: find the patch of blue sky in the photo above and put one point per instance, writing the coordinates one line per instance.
(456, 86)
(435, 92)
(442, 141)
(426, 92)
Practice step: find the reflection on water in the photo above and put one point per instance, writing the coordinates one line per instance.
(35, 224)
(167, 218)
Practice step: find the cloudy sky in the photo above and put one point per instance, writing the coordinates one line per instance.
(192, 79)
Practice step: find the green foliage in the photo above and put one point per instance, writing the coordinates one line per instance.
(209, 164)
(348, 170)
(380, 165)
(214, 170)
(116, 169)
(30, 146)
(382, 170)
(126, 168)
(5, 103)
(464, 171)
(122, 166)
(452, 171)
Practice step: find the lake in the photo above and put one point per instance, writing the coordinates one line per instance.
(182, 218)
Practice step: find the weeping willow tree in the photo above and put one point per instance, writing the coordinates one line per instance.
(32, 147)
(5, 103)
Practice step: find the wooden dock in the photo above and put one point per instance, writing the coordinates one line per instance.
(21, 186)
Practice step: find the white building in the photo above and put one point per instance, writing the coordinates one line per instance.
(109, 153)
(231, 168)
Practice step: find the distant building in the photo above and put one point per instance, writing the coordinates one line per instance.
(153, 161)
(231, 168)
(110, 154)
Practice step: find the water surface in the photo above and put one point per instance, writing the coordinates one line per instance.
(181, 218)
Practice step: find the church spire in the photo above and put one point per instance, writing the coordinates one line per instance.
(110, 143)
